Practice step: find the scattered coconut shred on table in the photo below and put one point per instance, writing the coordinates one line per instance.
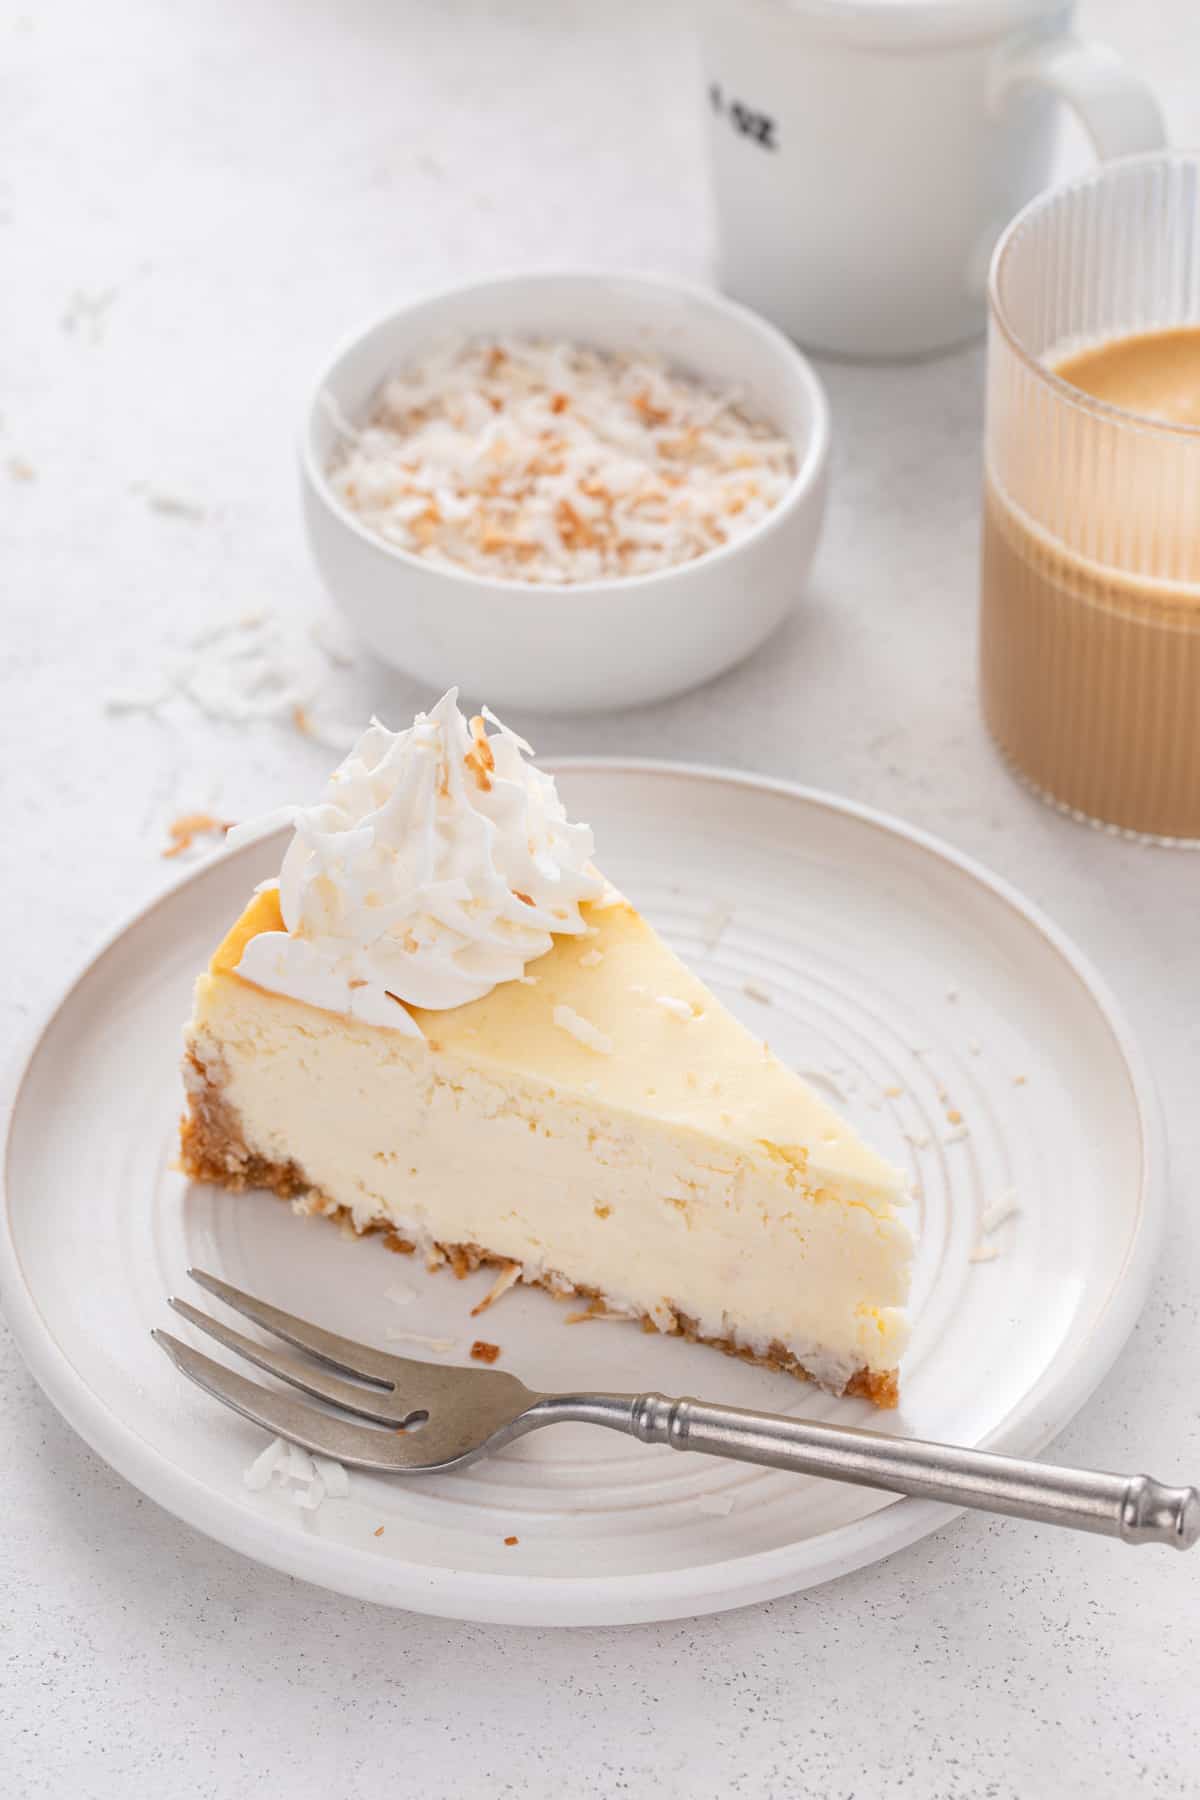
(552, 462)
(259, 666)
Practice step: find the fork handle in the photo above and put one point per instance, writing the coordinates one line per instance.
(1133, 1508)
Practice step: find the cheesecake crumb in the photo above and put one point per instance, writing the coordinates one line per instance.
(602, 1212)
(399, 1246)
(510, 1541)
(189, 826)
(484, 1353)
(460, 1262)
(507, 1278)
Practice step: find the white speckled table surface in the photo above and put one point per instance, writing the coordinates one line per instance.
(195, 201)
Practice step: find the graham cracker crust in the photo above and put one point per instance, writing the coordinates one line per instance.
(212, 1149)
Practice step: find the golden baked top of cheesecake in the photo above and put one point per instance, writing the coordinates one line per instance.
(615, 1014)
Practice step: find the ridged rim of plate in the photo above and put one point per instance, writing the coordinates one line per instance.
(1044, 1410)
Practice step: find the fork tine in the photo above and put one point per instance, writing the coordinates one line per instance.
(358, 1446)
(339, 1352)
(309, 1377)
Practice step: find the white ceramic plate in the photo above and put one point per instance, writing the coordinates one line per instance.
(897, 974)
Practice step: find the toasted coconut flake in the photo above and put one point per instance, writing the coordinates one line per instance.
(508, 1277)
(550, 462)
(184, 830)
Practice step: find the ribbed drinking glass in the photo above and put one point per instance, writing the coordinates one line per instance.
(1090, 639)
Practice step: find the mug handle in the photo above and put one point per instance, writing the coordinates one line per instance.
(1115, 107)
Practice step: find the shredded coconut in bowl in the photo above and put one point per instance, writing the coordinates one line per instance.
(551, 462)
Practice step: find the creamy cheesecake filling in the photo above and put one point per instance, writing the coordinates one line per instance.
(651, 1213)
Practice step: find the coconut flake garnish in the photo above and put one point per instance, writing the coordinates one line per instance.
(714, 925)
(590, 958)
(820, 1079)
(260, 1471)
(337, 1481)
(582, 1030)
(984, 1253)
(678, 1009)
(719, 1505)
(997, 1215)
(551, 462)
(175, 506)
(312, 1478)
(419, 1338)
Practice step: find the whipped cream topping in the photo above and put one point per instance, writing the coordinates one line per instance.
(437, 864)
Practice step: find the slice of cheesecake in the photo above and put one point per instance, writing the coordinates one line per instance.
(600, 1123)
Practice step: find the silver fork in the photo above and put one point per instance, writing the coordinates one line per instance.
(442, 1417)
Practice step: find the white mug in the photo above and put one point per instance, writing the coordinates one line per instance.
(866, 154)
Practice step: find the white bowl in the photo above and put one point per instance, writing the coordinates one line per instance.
(594, 644)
